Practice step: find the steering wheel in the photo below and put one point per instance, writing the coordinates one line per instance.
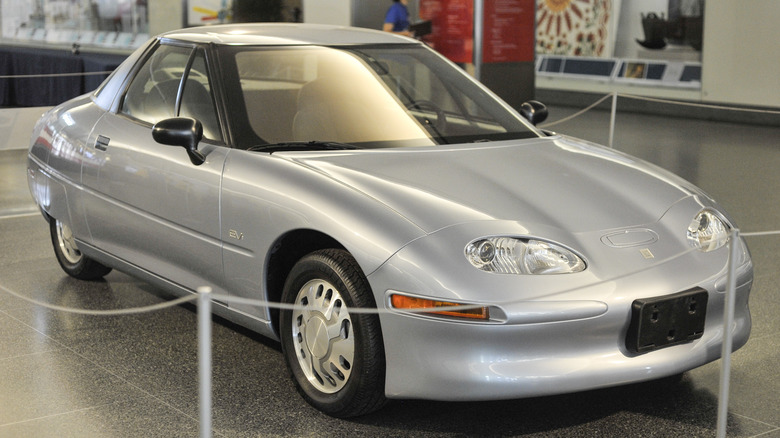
(439, 124)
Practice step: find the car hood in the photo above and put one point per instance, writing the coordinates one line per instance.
(557, 182)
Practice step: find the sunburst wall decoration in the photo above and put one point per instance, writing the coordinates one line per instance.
(576, 27)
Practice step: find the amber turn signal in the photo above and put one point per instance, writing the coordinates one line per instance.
(412, 303)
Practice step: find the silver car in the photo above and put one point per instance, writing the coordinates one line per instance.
(434, 242)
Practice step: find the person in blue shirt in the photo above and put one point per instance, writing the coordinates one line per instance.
(397, 18)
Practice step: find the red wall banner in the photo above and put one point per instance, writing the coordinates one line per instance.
(453, 27)
(508, 29)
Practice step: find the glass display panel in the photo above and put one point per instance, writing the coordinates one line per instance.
(119, 24)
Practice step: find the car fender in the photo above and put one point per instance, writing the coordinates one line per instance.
(266, 197)
(55, 157)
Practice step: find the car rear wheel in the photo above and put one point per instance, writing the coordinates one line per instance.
(336, 357)
(72, 261)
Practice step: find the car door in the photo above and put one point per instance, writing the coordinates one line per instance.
(148, 204)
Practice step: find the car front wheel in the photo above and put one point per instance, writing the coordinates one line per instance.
(73, 262)
(335, 356)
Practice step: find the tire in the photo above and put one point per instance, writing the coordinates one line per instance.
(72, 261)
(335, 357)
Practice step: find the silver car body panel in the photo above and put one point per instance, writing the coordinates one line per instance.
(406, 215)
(550, 181)
(285, 34)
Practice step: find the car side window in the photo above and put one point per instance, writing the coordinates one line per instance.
(197, 100)
(152, 94)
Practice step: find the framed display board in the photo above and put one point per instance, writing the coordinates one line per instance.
(576, 27)
(509, 31)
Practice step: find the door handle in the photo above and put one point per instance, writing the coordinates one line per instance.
(101, 143)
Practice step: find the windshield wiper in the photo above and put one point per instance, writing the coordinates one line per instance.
(303, 146)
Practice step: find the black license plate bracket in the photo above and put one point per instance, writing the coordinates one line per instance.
(665, 321)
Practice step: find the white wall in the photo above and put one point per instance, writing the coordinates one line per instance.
(741, 59)
(165, 15)
(338, 12)
(630, 25)
(740, 56)
(17, 125)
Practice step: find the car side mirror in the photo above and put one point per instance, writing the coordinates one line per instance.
(534, 111)
(181, 131)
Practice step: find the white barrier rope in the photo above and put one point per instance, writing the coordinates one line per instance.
(761, 234)
(56, 75)
(577, 114)
(110, 312)
(697, 105)
(653, 99)
(13, 213)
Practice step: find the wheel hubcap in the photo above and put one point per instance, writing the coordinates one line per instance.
(67, 243)
(322, 336)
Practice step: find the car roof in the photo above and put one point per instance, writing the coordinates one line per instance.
(284, 34)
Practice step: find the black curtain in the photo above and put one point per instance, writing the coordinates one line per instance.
(247, 11)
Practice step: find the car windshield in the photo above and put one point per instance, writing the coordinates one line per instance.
(365, 96)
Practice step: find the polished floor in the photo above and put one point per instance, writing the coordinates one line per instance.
(66, 375)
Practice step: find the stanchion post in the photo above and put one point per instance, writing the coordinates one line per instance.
(728, 321)
(612, 118)
(204, 360)
(479, 29)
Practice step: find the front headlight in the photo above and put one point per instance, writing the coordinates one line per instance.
(707, 231)
(509, 255)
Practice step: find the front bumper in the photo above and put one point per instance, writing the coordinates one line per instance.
(550, 343)
(479, 362)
